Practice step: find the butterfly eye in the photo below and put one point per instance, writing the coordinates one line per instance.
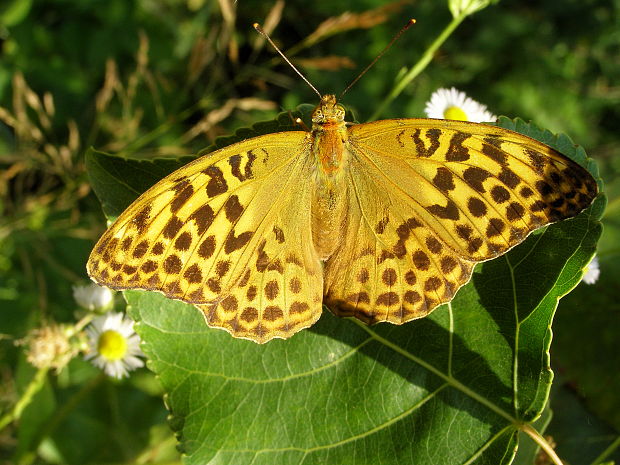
(317, 116)
(340, 111)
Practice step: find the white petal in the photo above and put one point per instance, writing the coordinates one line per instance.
(92, 296)
(592, 272)
(443, 99)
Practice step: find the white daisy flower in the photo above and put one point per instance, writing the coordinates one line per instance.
(92, 296)
(456, 105)
(114, 346)
(466, 7)
(592, 272)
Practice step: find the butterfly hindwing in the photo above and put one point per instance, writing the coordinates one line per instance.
(221, 233)
(391, 266)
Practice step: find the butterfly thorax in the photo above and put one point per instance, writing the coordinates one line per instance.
(329, 134)
(329, 147)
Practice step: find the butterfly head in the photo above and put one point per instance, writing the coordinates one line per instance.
(328, 111)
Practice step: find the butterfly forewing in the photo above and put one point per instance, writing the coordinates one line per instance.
(482, 189)
(429, 199)
(221, 233)
(280, 288)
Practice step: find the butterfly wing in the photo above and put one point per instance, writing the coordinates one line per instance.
(229, 232)
(429, 199)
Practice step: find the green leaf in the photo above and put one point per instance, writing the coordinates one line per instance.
(450, 388)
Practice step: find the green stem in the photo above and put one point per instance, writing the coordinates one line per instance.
(542, 442)
(419, 66)
(607, 452)
(33, 387)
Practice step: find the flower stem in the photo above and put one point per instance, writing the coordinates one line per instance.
(419, 66)
(542, 442)
(33, 387)
(79, 326)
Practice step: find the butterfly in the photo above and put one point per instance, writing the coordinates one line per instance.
(381, 221)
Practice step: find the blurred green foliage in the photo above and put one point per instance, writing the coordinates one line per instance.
(149, 78)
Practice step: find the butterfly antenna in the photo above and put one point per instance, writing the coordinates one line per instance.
(264, 34)
(410, 23)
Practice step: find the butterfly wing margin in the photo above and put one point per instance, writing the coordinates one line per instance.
(482, 188)
(225, 221)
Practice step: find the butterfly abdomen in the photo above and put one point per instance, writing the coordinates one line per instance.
(329, 206)
(329, 213)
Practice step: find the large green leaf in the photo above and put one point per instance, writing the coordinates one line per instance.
(452, 388)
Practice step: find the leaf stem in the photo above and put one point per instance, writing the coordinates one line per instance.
(33, 387)
(419, 66)
(542, 442)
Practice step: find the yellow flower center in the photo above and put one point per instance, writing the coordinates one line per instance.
(455, 113)
(112, 345)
